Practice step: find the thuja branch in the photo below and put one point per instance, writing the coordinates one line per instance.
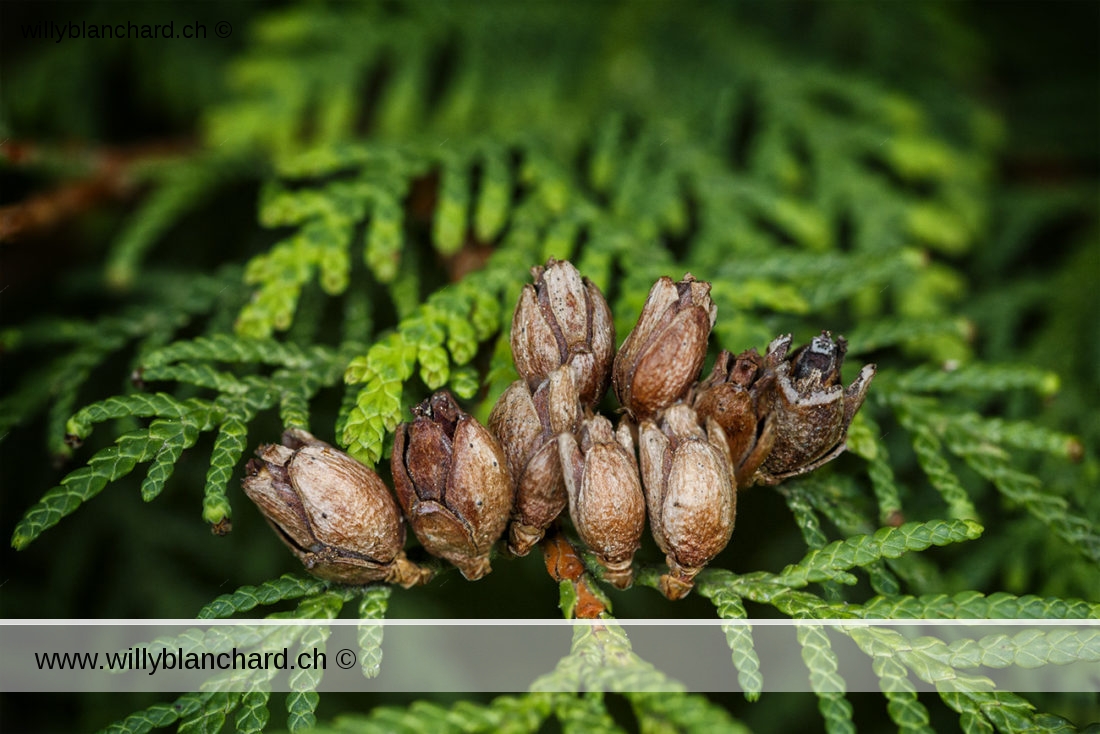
(95, 176)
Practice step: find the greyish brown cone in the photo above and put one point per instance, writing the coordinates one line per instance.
(810, 406)
(661, 357)
(527, 426)
(689, 493)
(737, 396)
(452, 481)
(335, 515)
(563, 319)
(606, 502)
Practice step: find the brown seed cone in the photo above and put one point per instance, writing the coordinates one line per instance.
(810, 406)
(335, 515)
(661, 357)
(452, 481)
(527, 426)
(736, 395)
(563, 319)
(689, 492)
(606, 502)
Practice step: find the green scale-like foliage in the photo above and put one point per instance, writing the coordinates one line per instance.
(413, 162)
(252, 689)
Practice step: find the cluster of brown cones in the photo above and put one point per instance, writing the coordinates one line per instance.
(691, 445)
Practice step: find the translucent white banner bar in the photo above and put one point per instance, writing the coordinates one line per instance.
(549, 655)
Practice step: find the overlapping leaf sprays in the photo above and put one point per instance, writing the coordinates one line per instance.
(754, 420)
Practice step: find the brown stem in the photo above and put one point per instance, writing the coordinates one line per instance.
(106, 177)
(563, 563)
